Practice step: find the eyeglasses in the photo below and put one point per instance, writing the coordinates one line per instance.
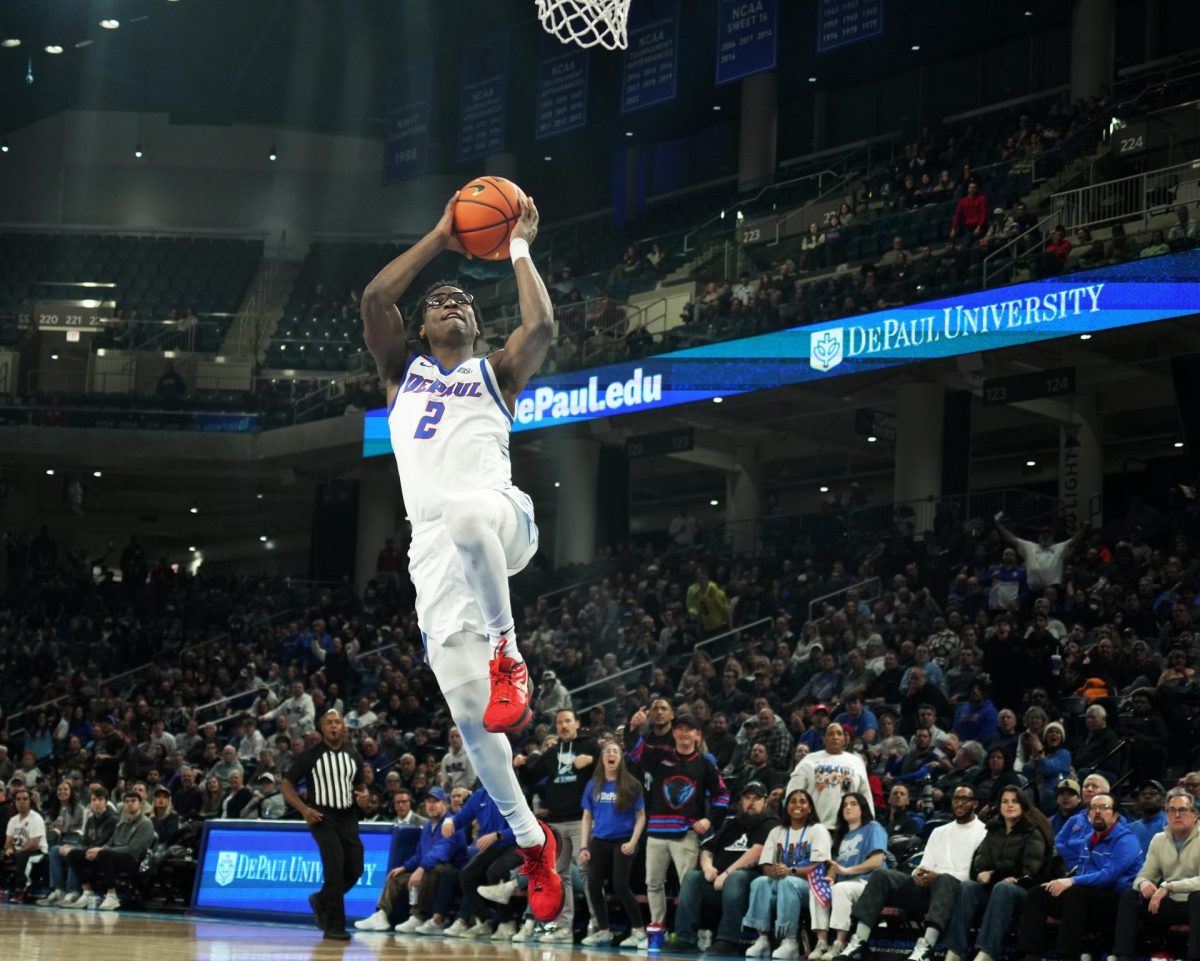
(458, 296)
(1180, 811)
(1100, 807)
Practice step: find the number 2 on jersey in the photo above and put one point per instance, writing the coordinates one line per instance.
(427, 426)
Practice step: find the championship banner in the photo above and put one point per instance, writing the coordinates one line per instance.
(747, 38)
(1139, 292)
(562, 89)
(406, 144)
(483, 96)
(840, 22)
(650, 73)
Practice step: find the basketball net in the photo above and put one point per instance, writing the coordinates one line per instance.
(587, 23)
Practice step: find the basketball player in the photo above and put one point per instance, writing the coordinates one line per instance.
(449, 415)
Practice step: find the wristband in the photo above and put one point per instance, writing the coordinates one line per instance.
(518, 247)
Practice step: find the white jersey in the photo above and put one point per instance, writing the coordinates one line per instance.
(450, 434)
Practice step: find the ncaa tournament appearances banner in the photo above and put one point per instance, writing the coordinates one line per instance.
(651, 63)
(483, 96)
(747, 38)
(562, 89)
(406, 143)
(270, 868)
(840, 22)
(1088, 302)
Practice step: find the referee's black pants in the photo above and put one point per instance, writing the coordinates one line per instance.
(341, 850)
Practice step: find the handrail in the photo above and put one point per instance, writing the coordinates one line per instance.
(1125, 198)
(1013, 246)
(846, 590)
(642, 666)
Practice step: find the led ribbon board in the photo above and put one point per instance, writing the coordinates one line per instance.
(269, 868)
(1139, 292)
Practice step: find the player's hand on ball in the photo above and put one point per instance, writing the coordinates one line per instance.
(527, 227)
(445, 229)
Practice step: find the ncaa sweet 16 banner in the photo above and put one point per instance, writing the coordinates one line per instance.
(1139, 292)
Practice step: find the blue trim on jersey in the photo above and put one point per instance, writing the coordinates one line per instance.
(487, 382)
(433, 360)
(400, 386)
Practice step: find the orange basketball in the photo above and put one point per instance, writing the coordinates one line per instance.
(484, 215)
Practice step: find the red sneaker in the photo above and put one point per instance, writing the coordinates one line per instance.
(545, 887)
(508, 710)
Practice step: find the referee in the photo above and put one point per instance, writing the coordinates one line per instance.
(334, 774)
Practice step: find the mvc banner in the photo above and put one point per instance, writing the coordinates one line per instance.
(406, 145)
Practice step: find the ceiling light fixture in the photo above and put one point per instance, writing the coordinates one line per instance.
(824, 488)
(628, 133)
(49, 471)
(194, 509)
(718, 400)
(1178, 443)
(812, 79)
(872, 439)
(1085, 336)
(263, 538)
(716, 106)
(714, 503)
(10, 42)
(557, 484)
(192, 548)
(1031, 463)
(272, 155)
(53, 48)
(110, 24)
(97, 473)
(83, 43)
(137, 151)
(3, 146)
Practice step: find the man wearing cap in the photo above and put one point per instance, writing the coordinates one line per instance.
(728, 863)
(266, 803)
(1166, 890)
(1153, 820)
(431, 870)
(1043, 558)
(554, 696)
(818, 720)
(333, 772)
(1068, 803)
(562, 774)
(132, 837)
(685, 799)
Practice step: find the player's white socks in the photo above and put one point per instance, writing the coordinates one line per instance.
(510, 647)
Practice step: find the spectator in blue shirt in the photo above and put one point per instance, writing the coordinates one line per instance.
(614, 817)
(488, 864)
(1153, 820)
(1085, 901)
(432, 870)
(858, 719)
(818, 720)
(976, 720)
(1008, 584)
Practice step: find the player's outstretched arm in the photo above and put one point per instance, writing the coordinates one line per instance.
(383, 326)
(527, 345)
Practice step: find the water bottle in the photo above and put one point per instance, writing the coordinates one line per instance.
(704, 939)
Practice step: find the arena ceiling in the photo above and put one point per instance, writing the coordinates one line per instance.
(324, 65)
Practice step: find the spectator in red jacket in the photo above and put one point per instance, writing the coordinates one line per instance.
(971, 213)
(1054, 257)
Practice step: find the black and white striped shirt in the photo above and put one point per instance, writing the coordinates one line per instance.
(331, 775)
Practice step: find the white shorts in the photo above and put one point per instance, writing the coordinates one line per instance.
(446, 606)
